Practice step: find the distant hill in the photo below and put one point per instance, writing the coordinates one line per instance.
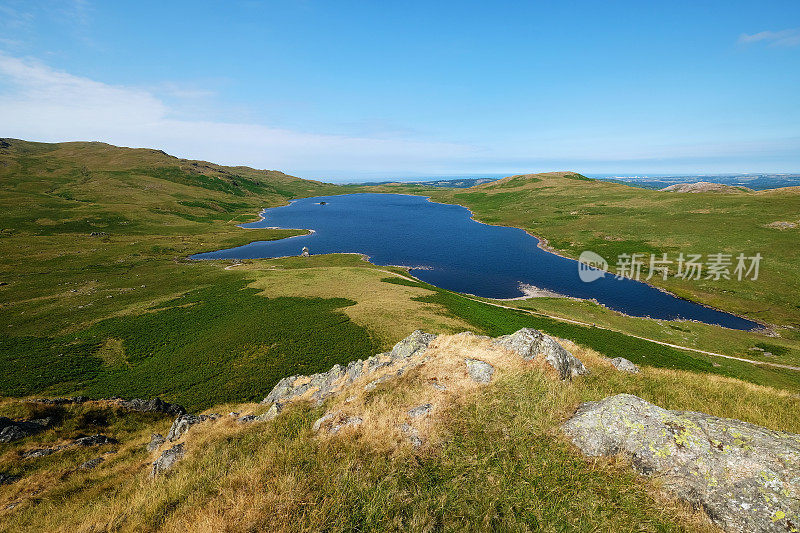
(705, 186)
(458, 183)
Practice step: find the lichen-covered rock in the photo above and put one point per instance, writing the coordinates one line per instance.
(746, 477)
(270, 413)
(411, 434)
(94, 440)
(529, 343)
(336, 421)
(320, 386)
(156, 440)
(479, 371)
(623, 365)
(166, 461)
(412, 345)
(182, 424)
(420, 411)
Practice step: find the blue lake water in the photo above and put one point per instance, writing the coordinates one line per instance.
(447, 248)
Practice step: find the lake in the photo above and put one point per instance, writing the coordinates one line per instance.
(445, 247)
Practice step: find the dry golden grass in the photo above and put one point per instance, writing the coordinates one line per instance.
(493, 457)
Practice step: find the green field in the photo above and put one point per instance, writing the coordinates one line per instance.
(98, 296)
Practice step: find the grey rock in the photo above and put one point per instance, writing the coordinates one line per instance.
(420, 410)
(623, 365)
(334, 422)
(94, 440)
(324, 418)
(529, 343)
(374, 383)
(182, 424)
(269, 414)
(411, 434)
(746, 477)
(7, 479)
(91, 463)
(154, 405)
(11, 430)
(40, 452)
(436, 385)
(156, 440)
(167, 460)
(414, 344)
(479, 371)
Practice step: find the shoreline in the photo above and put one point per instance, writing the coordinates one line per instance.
(543, 244)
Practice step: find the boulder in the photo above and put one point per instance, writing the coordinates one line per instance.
(334, 422)
(623, 365)
(154, 405)
(530, 343)
(167, 460)
(182, 424)
(11, 430)
(94, 440)
(156, 440)
(479, 371)
(414, 344)
(420, 410)
(746, 477)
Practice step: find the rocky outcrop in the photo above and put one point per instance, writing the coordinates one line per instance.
(317, 387)
(746, 477)
(167, 460)
(91, 464)
(154, 405)
(156, 440)
(530, 343)
(623, 365)
(91, 440)
(479, 371)
(182, 424)
(420, 411)
(11, 430)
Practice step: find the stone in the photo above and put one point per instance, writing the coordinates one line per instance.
(411, 434)
(167, 460)
(269, 414)
(479, 371)
(7, 479)
(91, 463)
(374, 383)
(746, 477)
(420, 410)
(334, 422)
(623, 365)
(94, 440)
(11, 430)
(414, 344)
(154, 405)
(156, 440)
(182, 424)
(528, 343)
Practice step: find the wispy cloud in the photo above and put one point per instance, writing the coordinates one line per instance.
(38, 102)
(785, 38)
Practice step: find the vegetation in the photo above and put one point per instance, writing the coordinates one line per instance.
(495, 460)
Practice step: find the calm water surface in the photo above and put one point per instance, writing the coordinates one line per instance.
(446, 248)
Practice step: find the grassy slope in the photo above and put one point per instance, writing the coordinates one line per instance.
(495, 461)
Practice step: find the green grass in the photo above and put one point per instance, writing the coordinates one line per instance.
(494, 321)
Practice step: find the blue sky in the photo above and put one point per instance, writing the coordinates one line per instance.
(351, 90)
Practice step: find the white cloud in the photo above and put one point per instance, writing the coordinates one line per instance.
(40, 103)
(790, 37)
